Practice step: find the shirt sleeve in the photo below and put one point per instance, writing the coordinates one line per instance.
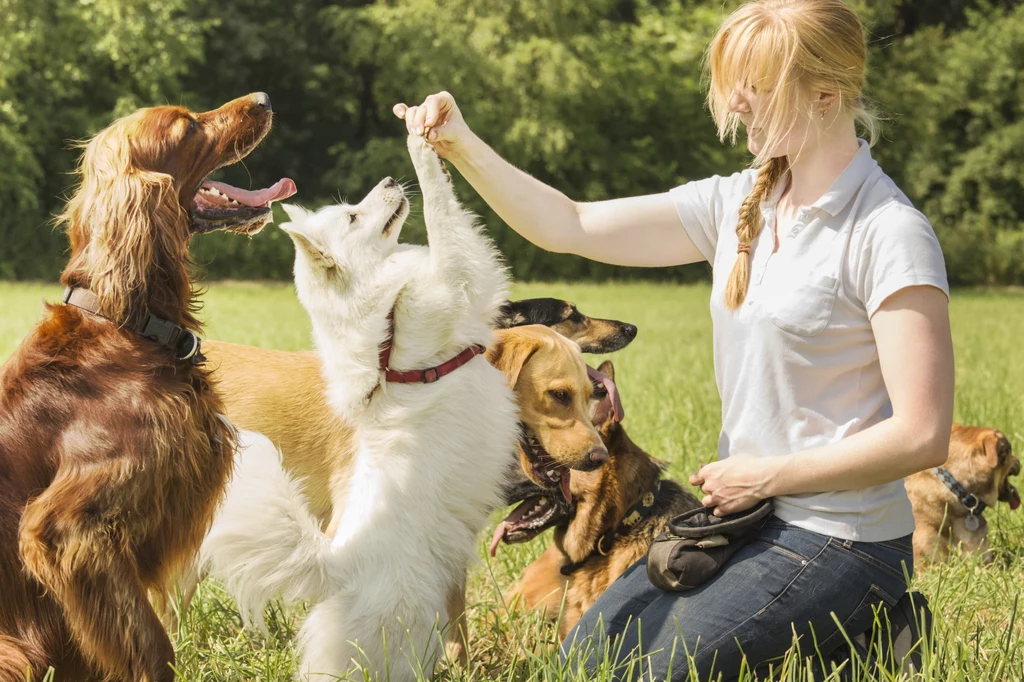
(703, 205)
(899, 250)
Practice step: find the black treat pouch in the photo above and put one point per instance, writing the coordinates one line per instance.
(697, 544)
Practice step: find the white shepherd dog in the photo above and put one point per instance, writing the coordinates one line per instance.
(433, 449)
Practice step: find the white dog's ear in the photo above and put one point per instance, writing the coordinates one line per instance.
(309, 244)
(296, 212)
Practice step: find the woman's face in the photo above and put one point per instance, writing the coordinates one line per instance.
(748, 103)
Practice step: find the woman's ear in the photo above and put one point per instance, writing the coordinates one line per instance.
(825, 103)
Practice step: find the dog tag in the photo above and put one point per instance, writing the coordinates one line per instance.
(972, 522)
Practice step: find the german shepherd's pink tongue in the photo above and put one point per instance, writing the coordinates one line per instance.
(499, 535)
(1014, 498)
(564, 484)
(612, 401)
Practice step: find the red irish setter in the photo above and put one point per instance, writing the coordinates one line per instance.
(112, 455)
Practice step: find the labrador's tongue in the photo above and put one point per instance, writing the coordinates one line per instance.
(282, 189)
(499, 535)
(564, 483)
(1014, 498)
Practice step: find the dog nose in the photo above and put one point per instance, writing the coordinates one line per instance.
(262, 100)
(630, 331)
(598, 456)
(389, 183)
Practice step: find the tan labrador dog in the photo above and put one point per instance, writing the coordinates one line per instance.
(981, 462)
(281, 395)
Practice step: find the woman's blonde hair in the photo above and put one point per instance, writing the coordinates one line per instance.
(785, 50)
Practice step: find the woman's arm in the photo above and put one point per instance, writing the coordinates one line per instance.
(915, 351)
(638, 231)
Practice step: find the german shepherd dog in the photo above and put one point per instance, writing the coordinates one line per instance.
(593, 334)
(615, 513)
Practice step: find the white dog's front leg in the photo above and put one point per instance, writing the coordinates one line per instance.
(456, 243)
(435, 182)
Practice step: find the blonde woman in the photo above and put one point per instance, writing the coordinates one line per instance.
(832, 343)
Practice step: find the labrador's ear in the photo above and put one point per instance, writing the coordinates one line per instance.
(511, 352)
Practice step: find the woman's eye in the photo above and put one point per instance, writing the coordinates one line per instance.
(560, 396)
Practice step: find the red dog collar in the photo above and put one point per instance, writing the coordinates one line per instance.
(420, 376)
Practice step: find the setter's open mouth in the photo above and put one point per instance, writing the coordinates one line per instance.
(220, 206)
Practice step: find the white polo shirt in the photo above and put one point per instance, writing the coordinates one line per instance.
(796, 364)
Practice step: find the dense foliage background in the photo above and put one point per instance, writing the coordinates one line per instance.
(601, 98)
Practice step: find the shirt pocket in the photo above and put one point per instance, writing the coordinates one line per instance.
(802, 305)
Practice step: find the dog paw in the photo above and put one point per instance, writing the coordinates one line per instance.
(429, 166)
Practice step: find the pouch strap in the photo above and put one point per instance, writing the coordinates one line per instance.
(701, 522)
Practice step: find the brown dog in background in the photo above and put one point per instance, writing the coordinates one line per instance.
(981, 461)
(616, 513)
(112, 455)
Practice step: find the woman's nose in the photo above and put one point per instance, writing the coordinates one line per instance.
(738, 104)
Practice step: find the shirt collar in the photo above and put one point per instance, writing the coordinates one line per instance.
(842, 190)
(849, 181)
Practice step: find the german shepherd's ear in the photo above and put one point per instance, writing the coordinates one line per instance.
(607, 369)
(510, 352)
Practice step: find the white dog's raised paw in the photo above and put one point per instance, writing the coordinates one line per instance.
(428, 164)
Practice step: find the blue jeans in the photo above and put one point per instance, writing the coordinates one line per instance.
(788, 581)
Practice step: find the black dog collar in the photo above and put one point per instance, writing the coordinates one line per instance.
(183, 342)
(640, 510)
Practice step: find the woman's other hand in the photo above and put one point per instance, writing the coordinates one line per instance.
(439, 120)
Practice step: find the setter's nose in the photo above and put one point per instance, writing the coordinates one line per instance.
(262, 100)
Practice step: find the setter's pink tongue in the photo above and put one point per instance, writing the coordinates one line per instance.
(282, 189)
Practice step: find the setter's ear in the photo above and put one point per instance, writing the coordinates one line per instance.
(126, 227)
(511, 352)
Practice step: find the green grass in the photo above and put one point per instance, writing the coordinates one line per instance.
(672, 410)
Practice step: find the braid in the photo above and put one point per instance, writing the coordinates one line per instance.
(749, 226)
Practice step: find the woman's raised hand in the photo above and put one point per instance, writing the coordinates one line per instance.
(439, 120)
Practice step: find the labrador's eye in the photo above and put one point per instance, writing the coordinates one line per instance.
(562, 397)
